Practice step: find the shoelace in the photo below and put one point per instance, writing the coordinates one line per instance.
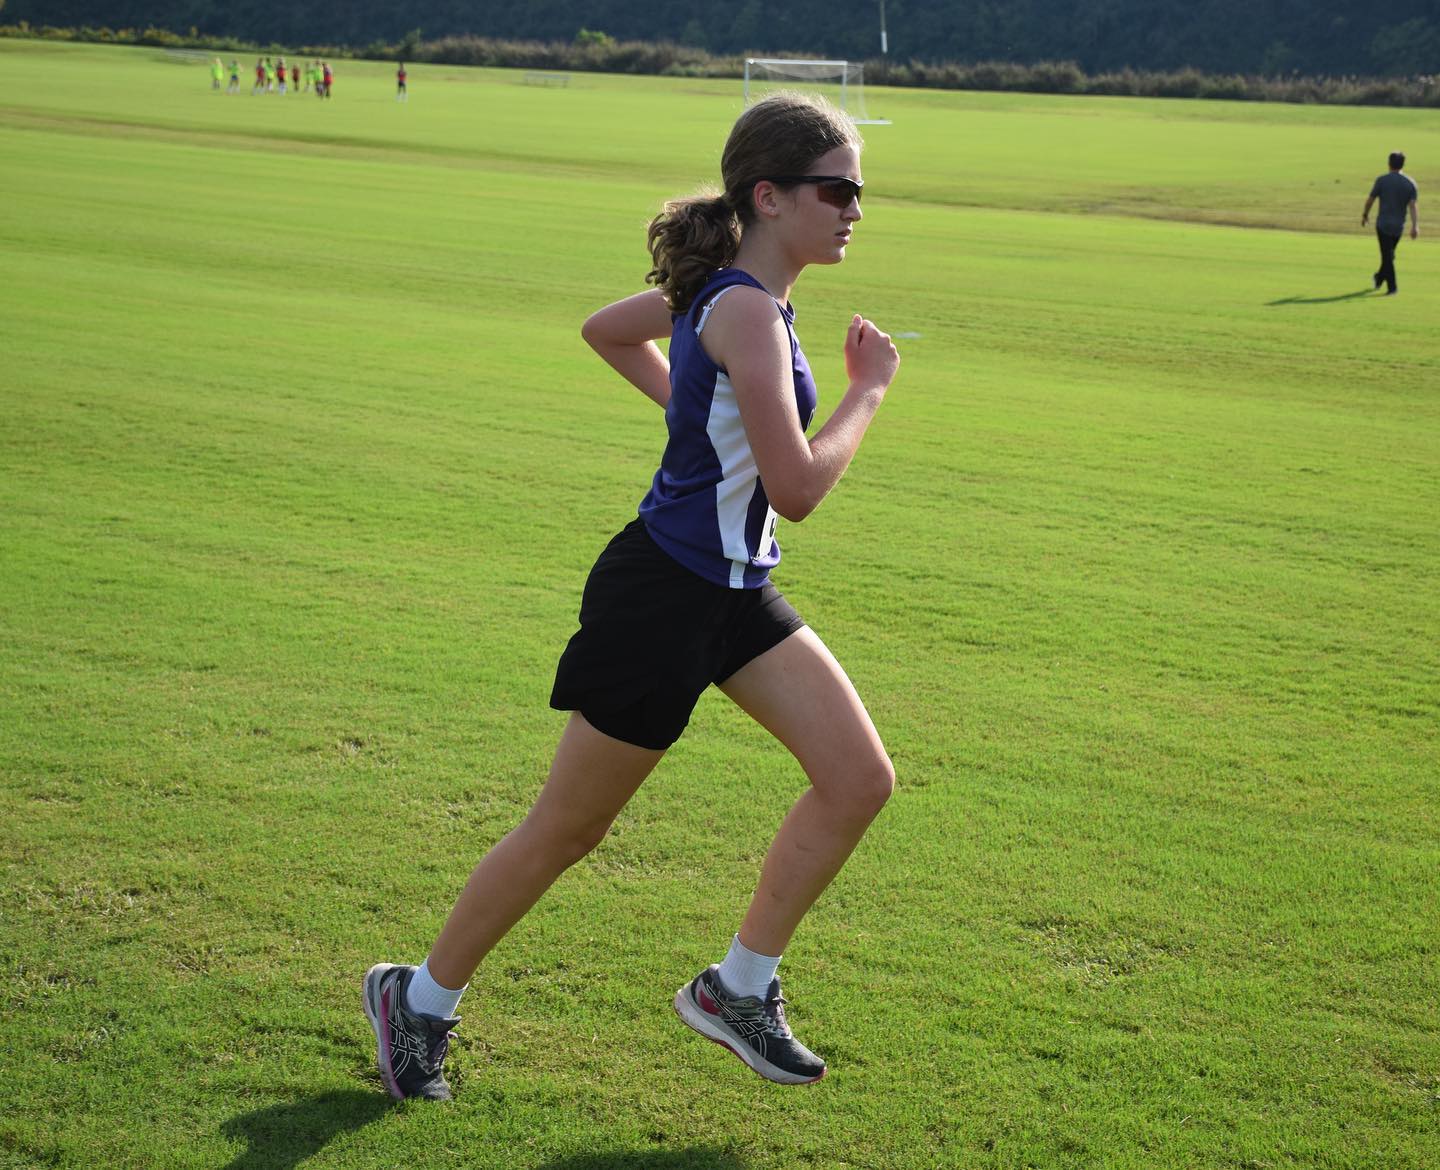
(775, 1010)
(437, 1048)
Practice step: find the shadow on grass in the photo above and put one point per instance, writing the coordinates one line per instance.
(279, 1137)
(698, 1158)
(1364, 292)
(282, 1136)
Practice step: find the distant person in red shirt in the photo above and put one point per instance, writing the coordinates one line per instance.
(327, 78)
(259, 86)
(400, 92)
(295, 78)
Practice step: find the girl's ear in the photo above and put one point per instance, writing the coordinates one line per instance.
(765, 195)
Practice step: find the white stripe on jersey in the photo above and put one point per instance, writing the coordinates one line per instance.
(737, 465)
(738, 477)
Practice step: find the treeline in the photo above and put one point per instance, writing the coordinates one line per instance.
(1400, 38)
(598, 52)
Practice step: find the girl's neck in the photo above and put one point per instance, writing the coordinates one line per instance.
(773, 270)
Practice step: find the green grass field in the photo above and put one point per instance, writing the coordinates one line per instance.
(302, 465)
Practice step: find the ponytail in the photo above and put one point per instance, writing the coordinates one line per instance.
(688, 241)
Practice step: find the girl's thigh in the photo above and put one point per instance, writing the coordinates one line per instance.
(592, 778)
(800, 694)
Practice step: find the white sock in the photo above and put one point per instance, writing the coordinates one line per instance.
(745, 973)
(425, 997)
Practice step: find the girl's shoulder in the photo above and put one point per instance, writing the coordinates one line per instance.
(737, 306)
(740, 321)
(723, 278)
(750, 299)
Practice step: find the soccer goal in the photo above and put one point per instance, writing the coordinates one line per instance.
(843, 82)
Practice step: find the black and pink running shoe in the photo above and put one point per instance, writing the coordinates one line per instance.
(410, 1049)
(753, 1029)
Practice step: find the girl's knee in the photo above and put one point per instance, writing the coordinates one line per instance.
(868, 786)
(882, 781)
(564, 844)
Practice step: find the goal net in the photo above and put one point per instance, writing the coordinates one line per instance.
(842, 82)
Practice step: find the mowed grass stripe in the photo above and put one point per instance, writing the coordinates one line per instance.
(302, 473)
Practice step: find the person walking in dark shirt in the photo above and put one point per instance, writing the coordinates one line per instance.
(1397, 194)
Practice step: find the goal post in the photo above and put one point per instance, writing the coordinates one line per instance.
(843, 82)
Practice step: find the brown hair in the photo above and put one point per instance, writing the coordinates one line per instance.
(781, 135)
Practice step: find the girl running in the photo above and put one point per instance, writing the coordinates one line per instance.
(681, 598)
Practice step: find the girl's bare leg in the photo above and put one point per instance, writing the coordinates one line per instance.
(590, 781)
(800, 694)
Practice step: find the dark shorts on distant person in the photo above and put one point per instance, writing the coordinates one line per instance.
(653, 635)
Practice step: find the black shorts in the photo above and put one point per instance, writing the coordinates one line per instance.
(653, 635)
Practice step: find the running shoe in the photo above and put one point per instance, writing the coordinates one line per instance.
(753, 1029)
(411, 1048)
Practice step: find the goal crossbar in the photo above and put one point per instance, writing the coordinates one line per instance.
(794, 61)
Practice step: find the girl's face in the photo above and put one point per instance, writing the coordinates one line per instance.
(819, 226)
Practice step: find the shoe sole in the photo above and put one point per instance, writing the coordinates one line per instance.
(374, 1011)
(692, 1017)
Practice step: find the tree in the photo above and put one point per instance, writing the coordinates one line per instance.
(1403, 49)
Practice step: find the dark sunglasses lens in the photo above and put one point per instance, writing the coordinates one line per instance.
(838, 192)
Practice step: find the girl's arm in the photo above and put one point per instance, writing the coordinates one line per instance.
(746, 337)
(624, 334)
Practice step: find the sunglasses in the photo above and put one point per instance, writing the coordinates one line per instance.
(835, 190)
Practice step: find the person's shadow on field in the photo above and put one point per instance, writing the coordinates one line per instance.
(698, 1158)
(1364, 292)
(282, 1136)
(279, 1137)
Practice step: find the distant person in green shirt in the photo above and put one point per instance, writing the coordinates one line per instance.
(217, 73)
(1397, 194)
(234, 86)
(269, 76)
